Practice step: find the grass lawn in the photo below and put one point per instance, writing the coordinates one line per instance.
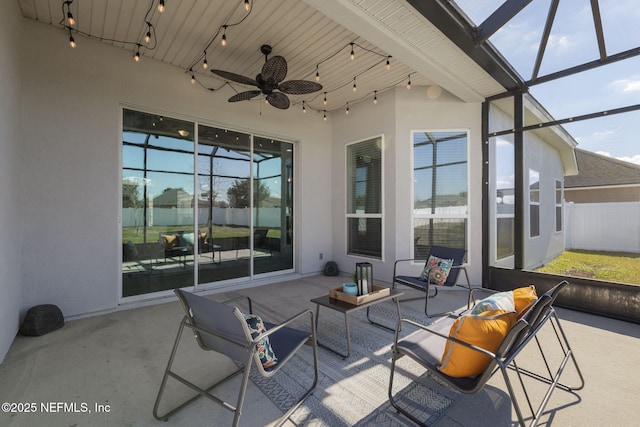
(219, 231)
(621, 267)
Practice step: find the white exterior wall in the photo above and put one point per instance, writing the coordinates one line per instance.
(11, 264)
(415, 111)
(72, 142)
(396, 114)
(544, 159)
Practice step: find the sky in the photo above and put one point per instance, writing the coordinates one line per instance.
(573, 42)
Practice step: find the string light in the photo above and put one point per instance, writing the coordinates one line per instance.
(324, 115)
(317, 74)
(193, 77)
(147, 37)
(409, 82)
(304, 109)
(355, 88)
(70, 21)
(325, 98)
(352, 55)
(223, 42)
(388, 66)
(347, 112)
(375, 96)
(247, 6)
(205, 64)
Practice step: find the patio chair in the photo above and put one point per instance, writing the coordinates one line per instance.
(427, 344)
(223, 328)
(428, 279)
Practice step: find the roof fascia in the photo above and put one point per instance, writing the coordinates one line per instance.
(453, 23)
(352, 17)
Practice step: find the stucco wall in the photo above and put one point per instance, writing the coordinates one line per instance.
(397, 113)
(10, 174)
(72, 146)
(544, 159)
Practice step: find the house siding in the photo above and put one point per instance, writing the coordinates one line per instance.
(544, 159)
(11, 261)
(396, 114)
(72, 144)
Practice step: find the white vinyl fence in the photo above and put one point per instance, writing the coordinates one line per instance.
(603, 226)
(264, 217)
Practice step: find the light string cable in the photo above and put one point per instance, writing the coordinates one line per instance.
(358, 100)
(386, 59)
(150, 29)
(248, 6)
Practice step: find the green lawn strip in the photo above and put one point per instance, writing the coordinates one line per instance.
(219, 232)
(621, 267)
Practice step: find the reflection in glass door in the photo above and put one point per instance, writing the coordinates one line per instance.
(272, 205)
(157, 203)
(224, 179)
(213, 206)
(247, 231)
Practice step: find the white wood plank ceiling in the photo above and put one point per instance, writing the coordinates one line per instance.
(309, 40)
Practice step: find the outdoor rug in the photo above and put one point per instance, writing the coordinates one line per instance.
(354, 391)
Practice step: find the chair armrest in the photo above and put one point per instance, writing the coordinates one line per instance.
(240, 298)
(443, 336)
(395, 264)
(286, 323)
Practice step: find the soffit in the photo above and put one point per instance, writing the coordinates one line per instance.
(307, 33)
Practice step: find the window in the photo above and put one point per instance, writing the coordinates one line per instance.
(440, 200)
(534, 203)
(558, 205)
(364, 198)
(505, 197)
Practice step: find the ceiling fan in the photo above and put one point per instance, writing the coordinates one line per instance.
(269, 81)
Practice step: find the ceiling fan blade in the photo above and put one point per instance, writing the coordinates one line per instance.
(244, 96)
(299, 87)
(274, 70)
(235, 77)
(278, 100)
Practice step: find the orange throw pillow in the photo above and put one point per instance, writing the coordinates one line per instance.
(485, 330)
(523, 298)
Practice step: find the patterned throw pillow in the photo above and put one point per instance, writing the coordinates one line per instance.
(499, 301)
(265, 352)
(436, 270)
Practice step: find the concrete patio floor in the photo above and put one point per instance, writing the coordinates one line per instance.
(112, 365)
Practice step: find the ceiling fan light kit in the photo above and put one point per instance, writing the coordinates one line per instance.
(270, 82)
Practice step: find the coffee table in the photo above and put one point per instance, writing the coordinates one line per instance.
(346, 308)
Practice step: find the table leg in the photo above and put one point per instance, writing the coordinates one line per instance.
(396, 300)
(348, 332)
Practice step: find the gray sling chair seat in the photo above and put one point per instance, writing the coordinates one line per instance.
(426, 345)
(221, 328)
(442, 252)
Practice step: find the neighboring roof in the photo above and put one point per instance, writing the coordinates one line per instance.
(596, 170)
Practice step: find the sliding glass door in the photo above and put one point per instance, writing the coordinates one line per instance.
(201, 207)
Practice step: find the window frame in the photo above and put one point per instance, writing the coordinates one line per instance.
(349, 175)
(559, 206)
(534, 205)
(414, 216)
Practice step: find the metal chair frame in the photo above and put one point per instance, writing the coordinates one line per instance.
(425, 286)
(525, 330)
(244, 366)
